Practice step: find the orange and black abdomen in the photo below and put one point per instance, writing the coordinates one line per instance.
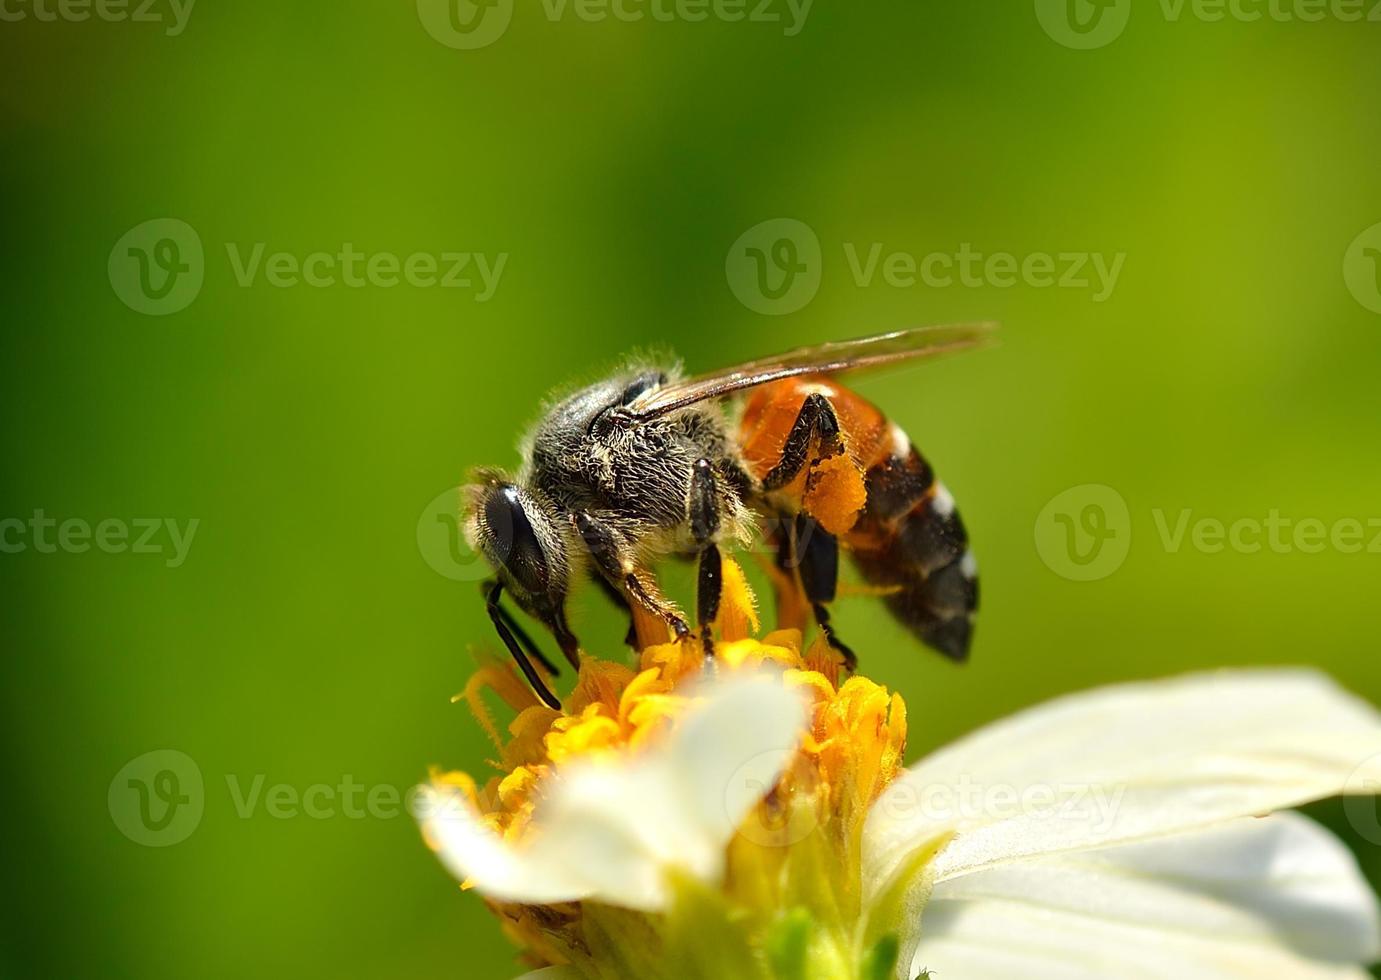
(898, 522)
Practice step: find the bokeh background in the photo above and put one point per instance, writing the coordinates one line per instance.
(320, 620)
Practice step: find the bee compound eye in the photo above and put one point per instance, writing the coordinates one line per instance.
(513, 543)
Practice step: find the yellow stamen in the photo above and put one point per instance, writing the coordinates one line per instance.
(802, 838)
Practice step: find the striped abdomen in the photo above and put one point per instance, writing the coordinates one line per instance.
(910, 537)
(907, 539)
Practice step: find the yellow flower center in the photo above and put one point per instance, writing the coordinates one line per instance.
(791, 887)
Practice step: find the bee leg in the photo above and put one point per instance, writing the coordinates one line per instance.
(815, 423)
(651, 599)
(707, 593)
(501, 620)
(704, 523)
(615, 561)
(816, 554)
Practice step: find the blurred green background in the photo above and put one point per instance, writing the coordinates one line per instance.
(319, 621)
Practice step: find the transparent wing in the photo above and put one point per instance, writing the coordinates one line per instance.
(831, 358)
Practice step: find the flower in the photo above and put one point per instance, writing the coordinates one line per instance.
(758, 823)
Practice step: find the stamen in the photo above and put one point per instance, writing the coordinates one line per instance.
(499, 678)
(799, 843)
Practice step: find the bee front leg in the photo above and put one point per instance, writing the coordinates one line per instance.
(643, 589)
(616, 562)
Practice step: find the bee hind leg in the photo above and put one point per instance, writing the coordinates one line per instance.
(816, 425)
(815, 553)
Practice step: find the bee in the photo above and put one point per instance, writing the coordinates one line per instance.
(646, 464)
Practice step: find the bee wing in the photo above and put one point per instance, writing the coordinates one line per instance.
(830, 358)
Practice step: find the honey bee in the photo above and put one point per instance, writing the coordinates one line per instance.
(646, 464)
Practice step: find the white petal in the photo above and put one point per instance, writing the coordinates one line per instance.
(552, 973)
(1127, 763)
(611, 832)
(1275, 897)
(473, 852)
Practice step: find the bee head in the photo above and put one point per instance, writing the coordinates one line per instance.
(521, 538)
